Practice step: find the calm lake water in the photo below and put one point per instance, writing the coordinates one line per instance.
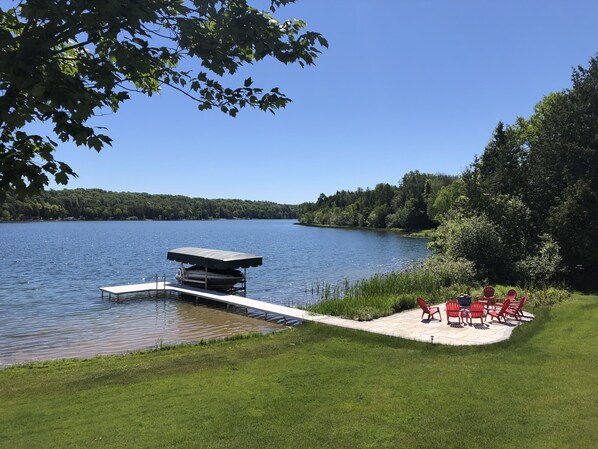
(50, 274)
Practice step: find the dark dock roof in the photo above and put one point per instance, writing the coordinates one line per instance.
(214, 258)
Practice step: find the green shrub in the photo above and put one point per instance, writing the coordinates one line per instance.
(548, 297)
(451, 271)
(476, 239)
(404, 302)
(542, 267)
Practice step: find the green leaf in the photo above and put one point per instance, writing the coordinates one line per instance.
(76, 61)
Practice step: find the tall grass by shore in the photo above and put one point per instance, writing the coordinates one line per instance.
(436, 281)
(384, 294)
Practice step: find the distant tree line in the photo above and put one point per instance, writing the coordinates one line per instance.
(96, 204)
(410, 205)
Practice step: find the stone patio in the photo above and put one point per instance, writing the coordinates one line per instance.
(410, 325)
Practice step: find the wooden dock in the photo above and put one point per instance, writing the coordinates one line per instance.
(130, 289)
(229, 300)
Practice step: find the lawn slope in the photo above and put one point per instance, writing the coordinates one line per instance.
(316, 387)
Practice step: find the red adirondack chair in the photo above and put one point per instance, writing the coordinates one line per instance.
(515, 303)
(511, 294)
(487, 297)
(476, 310)
(516, 309)
(426, 309)
(500, 312)
(453, 309)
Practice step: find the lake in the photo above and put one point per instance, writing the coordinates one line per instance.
(50, 274)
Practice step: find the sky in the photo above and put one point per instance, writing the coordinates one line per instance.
(404, 85)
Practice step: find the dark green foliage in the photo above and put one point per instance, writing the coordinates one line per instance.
(386, 206)
(404, 302)
(563, 168)
(542, 266)
(536, 184)
(65, 61)
(574, 224)
(474, 238)
(501, 165)
(96, 204)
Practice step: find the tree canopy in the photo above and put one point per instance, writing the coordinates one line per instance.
(65, 61)
(408, 205)
(525, 211)
(535, 190)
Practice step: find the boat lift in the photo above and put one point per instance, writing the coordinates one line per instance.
(214, 259)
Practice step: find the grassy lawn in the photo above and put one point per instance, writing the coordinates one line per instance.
(321, 387)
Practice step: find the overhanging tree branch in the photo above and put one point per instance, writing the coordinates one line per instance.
(63, 62)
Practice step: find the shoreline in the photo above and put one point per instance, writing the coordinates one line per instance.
(421, 234)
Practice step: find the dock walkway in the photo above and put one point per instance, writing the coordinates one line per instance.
(408, 324)
(233, 300)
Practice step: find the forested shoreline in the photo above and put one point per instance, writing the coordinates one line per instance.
(413, 205)
(97, 204)
(525, 211)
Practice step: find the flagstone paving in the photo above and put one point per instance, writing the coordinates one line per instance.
(410, 325)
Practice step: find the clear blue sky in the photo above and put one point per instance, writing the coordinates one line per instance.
(405, 85)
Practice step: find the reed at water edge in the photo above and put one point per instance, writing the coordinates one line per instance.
(385, 294)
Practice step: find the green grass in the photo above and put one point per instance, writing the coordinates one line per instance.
(321, 387)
